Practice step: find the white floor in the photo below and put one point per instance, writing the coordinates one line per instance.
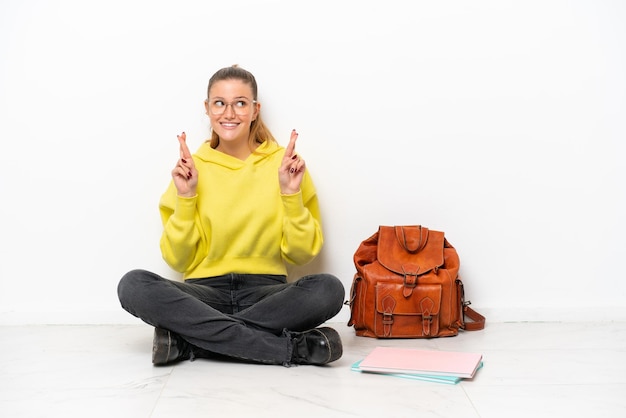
(530, 370)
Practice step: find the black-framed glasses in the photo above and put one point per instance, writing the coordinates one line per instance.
(241, 106)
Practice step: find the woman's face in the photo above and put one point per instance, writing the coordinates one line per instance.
(232, 110)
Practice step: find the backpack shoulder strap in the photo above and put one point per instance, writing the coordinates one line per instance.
(478, 321)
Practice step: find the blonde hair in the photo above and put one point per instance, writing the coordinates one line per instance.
(259, 132)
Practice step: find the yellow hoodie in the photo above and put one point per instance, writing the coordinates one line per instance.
(239, 222)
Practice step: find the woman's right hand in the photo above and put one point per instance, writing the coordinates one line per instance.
(184, 174)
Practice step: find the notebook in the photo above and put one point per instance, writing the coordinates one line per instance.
(423, 362)
(449, 380)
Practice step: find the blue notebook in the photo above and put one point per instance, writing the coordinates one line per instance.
(449, 380)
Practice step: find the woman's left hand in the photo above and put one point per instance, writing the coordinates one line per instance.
(292, 169)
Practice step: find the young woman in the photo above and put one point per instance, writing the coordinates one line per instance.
(233, 215)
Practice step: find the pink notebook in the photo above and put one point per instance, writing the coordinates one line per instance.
(409, 360)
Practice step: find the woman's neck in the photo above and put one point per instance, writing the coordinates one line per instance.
(239, 149)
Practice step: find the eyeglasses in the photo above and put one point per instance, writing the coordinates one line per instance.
(241, 106)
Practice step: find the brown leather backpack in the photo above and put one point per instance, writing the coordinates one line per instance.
(407, 286)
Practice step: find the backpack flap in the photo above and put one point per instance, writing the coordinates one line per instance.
(410, 251)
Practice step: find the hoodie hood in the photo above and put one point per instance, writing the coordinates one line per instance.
(210, 155)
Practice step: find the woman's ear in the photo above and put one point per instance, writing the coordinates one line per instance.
(206, 106)
(257, 109)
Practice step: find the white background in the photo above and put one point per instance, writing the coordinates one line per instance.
(501, 123)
